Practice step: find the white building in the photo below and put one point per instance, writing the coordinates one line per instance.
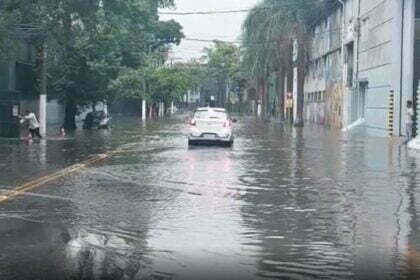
(380, 54)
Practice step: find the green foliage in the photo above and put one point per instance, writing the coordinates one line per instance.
(130, 83)
(169, 83)
(223, 69)
(157, 82)
(222, 60)
(95, 46)
(269, 29)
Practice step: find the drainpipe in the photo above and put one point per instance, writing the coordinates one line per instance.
(358, 44)
(343, 31)
(401, 69)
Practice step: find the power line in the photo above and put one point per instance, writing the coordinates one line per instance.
(318, 36)
(211, 40)
(208, 12)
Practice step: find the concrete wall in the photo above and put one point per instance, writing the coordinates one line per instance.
(55, 113)
(375, 60)
(382, 34)
(323, 98)
(384, 50)
(315, 112)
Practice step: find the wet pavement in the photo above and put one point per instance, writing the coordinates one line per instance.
(281, 204)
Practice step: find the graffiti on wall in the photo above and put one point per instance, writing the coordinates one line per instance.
(333, 104)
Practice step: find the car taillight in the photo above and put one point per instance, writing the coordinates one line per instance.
(227, 123)
(192, 122)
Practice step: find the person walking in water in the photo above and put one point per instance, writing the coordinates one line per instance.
(33, 122)
(409, 121)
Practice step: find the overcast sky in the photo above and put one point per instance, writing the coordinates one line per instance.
(207, 27)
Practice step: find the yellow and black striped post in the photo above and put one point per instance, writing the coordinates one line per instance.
(390, 122)
(417, 121)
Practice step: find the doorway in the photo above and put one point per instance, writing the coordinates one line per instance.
(358, 102)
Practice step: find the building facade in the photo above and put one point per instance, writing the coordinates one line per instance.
(323, 79)
(359, 53)
(19, 93)
(17, 82)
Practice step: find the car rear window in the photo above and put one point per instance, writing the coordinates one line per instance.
(210, 115)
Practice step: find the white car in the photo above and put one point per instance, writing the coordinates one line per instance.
(211, 126)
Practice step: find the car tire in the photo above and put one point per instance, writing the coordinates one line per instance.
(232, 140)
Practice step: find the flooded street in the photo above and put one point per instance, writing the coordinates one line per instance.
(280, 204)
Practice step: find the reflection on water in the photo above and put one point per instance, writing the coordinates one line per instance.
(283, 203)
(100, 255)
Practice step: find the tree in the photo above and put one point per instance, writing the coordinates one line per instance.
(268, 34)
(168, 84)
(131, 84)
(91, 43)
(156, 83)
(223, 61)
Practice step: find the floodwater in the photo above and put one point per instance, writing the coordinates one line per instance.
(282, 203)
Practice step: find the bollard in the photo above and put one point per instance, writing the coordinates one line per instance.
(417, 127)
(390, 121)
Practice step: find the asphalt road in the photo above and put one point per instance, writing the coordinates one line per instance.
(137, 203)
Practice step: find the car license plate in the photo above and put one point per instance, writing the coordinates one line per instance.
(209, 136)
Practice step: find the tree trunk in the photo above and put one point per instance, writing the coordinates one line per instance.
(300, 86)
(70, 117)
(264, 97)
(288, 73)
(281, 93)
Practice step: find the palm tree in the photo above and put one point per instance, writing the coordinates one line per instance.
(268, 34)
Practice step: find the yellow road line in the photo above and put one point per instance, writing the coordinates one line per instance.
(49, 178)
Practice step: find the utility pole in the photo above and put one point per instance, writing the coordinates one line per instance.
(143, 101)
(295, 79)
(143, 110)
(43, 96)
